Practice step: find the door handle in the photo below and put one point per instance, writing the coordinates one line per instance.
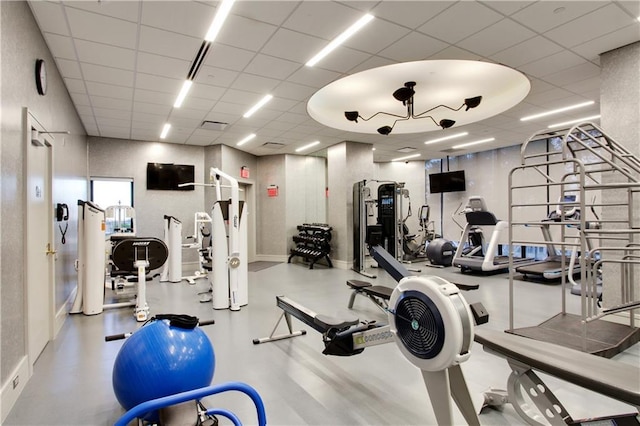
(49, 251)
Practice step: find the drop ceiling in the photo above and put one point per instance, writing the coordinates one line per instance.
(124, 62)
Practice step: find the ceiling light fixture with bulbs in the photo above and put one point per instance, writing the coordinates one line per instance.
(305, 147)
(446, 138)
(405, 95)
(357, 26)
(468, 144)
(262, 102)
(432, 96)
(557, 111)
(577, 120)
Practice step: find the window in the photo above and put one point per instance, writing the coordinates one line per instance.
(107, 192)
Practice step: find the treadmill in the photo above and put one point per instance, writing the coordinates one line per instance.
(551, 268)
(477, 259)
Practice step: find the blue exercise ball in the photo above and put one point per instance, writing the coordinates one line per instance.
(160, 360)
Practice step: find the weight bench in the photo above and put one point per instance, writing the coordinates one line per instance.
(380, 294)
(605, 376)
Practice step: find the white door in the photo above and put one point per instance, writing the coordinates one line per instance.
(40, 250)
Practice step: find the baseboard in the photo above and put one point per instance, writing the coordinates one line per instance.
(342, 264)
(62, 313)
(8, 394)
(271, 258)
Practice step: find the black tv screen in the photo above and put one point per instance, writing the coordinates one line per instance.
(447, 182)
(167, 177)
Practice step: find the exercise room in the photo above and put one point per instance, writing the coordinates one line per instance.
(320, 212)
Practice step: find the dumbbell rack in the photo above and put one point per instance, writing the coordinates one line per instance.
(312, 243)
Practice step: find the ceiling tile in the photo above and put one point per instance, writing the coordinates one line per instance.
(119, 114)
(68, 68)
(84, 110)
(271, 67)
(254, 83)
(139, 116)
(460, 21)
(492, 39)
(413, 47)
(294, 91)
(114, 132)
(106, 102)
(228, 57)
(50, 17)
(101, 29)
(592, 49)
(245, 33)
(542, 16)
(166, 43)
(632, 7)
(272, 12)
(552, 64)
(311, 18)
(410, 14)
(158, 84)
(342, 59)
(314, 77)
(162, 66)
(454, 52)
(108, 90)
(507, 7)
(60, 46)
(156, 109)
(377, 35)
(75, 85)
(575, 74)
(102, 74)
(372, 62)
(205, 91)
(599, 22)
(528, 51)
(113, 122)
(127, 10)
(101, 54)
(153, 97)
(293, 46)
(190, 18)
(199, 103)
(144, 134)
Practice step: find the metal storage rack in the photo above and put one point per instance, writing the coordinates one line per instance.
(582, 160)
(312, 243)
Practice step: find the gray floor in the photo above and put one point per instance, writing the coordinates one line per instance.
(71, 384)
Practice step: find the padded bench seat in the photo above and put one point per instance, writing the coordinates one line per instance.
(608, 377)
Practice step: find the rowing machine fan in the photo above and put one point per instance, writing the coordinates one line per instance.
(431, 322)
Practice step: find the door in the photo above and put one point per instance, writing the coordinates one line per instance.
(40, 251)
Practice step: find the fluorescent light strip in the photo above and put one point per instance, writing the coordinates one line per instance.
(257, 106)
(446, 138)
(407, 157)
(340, 39)
(564, 123)
(302, 148)
(218, 20)
(556, 111)
(464, 145)
(247, 139)
(165, 130)
(183, 93)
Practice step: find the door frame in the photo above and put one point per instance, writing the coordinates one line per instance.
(30, 123)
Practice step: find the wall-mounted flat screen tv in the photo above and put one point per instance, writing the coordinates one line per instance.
(447, 182)
(167, 177)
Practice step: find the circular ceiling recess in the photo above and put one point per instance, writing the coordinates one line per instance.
(437, 83)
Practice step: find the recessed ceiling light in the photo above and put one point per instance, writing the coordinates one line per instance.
(406, 157)
(340, 39)
(564, 123)
(183, 93)
(257, 106)
(246, 139)
(302, 148)
(556, 111)
(467, 144)
(165, 130)
(218, 20)
(446, 138)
